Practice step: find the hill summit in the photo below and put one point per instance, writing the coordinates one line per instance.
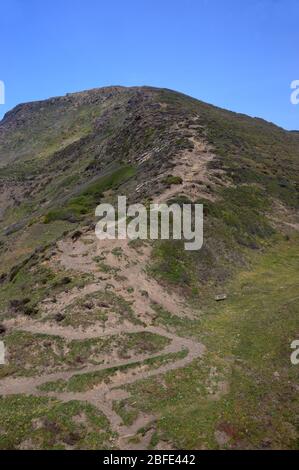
(142, 344)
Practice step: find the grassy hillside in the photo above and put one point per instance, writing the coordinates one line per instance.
(125, 338)
(244, 392)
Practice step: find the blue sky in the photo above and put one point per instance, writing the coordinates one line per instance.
(240, 55)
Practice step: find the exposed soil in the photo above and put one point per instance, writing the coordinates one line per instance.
(131, 284)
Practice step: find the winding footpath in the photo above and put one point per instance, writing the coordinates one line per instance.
(78, 257)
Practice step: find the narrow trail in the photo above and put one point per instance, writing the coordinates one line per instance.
(14, 385)
(126, 271)
(79, 256)
(103, 395)
(70, 333)
(117, 267)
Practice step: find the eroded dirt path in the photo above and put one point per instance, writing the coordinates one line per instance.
(12, 385)
(124, 273)
(133, 285)
(116, 266)
(103, 395)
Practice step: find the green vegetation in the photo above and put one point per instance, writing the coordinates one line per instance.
(245, 387)
(40, 281)
(97, 307)
(242, 212)
(37, 237)
(43, 423)
(173, 263)
(234, 225)
(84, 382)
(170, 179)
(91, 146)
(30, 354)
(90, 197)
(249, 150)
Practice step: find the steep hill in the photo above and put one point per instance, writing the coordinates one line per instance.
(121, 344)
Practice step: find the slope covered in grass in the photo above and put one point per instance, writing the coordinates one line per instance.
(132, 329)
(244, 392)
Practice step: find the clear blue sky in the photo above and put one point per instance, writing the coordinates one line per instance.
(237, 54)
